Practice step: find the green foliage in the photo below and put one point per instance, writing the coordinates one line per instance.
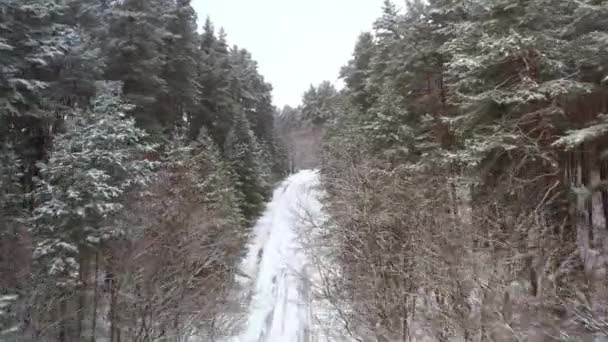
(214, 70)
(39, 38)
(319, 103)
(72, 156)
(27, 46)
(180, 66)
(356, 72)
(245, 155)
(388, 124)
(91, 165)
(135, 57)
(278, 160)
(214, 188)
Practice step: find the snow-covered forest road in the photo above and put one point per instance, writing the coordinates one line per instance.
(280, 307)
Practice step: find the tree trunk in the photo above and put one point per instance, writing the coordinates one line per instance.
(114, 332)
(63, 324)
(94, 316)
(83, 302)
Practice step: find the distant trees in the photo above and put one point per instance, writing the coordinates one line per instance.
(124, 208)
(318, 103)
(463, 172)
(301, 129)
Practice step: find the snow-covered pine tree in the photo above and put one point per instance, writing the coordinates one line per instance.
(49, 60)
(279, 159)
(134, 49)
(49, 65)
(319, 103)
(73, 162)
(180, 67)
(101, 155)
(214, 70)
(253, 94)
(28, 47)
(224, 235)
(357, 70)
(244, 156)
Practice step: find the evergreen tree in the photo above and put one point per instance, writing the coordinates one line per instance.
(27, 46)
(215, 176)
(463, 101)
(216, 185)
(73, 158)
(279, 163)
(216, 103)
(90, 166)
(356, 72)
(319, 103)
(135, 57)
(179, 71)
(244, 156)
(32, 39)
(254, 95)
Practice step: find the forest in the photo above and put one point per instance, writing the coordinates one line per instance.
(135, 153)
(464, 165)
(463, 170)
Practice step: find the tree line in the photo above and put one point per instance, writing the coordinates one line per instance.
(464, 168)
(135, 153)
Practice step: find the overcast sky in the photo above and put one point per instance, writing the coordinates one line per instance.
(296, 42)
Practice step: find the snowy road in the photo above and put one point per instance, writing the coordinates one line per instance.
(280, 308)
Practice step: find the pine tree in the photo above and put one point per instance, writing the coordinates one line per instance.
(253, 95)
(50, 66)
(279, 164)
(51, 62)
(244, 156)
(91, 165)
(26, 48)
(319, 103)
(179, 71)
(216, 103)
(135, 57)
(74, 155)
(219, 195)
(499, 76)
(74, 74)
(585, 31)
(250, 90)
(356, 72)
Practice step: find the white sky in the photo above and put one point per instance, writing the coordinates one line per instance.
(295, 42)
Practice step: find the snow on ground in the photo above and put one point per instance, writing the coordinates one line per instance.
(280, 309)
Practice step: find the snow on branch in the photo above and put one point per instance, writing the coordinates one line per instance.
(575, 138)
